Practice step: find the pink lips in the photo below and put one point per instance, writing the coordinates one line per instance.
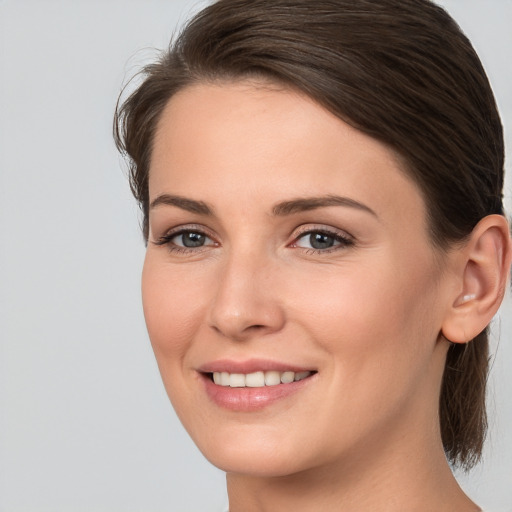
(250, 399)
(250, 366)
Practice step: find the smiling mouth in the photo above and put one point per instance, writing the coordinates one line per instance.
(257, 379)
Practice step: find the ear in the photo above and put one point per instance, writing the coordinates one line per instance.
(482, 274)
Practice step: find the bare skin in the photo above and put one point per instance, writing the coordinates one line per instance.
(251, 259)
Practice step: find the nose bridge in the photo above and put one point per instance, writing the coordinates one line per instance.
(246, 302)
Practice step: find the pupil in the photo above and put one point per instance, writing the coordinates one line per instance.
(321, 241)
(192, 239)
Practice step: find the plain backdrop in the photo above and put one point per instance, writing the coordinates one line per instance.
(85, 424)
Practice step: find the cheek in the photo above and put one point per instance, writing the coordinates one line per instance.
(372, 313)
(172, 308)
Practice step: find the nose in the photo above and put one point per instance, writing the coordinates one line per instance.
(247, 302)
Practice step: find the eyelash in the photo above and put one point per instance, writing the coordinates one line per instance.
(173, 248)
(344, 240)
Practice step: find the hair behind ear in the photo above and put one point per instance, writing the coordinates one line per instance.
(462, 402)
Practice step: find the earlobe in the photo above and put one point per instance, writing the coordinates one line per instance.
(484, 271)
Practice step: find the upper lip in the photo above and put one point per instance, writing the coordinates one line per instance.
(250, 366)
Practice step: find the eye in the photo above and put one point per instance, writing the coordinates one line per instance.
(185, 240)
(189, 239)
(317, 241)
(322, 240)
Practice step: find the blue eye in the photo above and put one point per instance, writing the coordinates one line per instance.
(189, 239)
(185, 240)
(322, 241)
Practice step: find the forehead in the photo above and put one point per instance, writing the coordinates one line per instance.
(248, 141)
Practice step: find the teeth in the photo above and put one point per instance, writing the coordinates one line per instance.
(287, 377)
(257, 379)
(272, 378)
(237, 380)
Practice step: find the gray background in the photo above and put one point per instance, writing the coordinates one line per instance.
(85, 424)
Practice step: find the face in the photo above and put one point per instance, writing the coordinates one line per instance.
(291, 293)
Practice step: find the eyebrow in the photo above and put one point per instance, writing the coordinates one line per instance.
(190, 205)
(312, 203)
(301, 204)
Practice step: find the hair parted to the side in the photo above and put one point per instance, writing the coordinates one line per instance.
(400, 71)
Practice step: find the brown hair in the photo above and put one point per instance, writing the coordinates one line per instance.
(400, 71)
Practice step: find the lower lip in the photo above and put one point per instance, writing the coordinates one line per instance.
(251, 399)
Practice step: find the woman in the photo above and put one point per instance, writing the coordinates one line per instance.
(321, 184)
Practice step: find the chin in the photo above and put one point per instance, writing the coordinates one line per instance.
(257, 453)
(259, 464)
